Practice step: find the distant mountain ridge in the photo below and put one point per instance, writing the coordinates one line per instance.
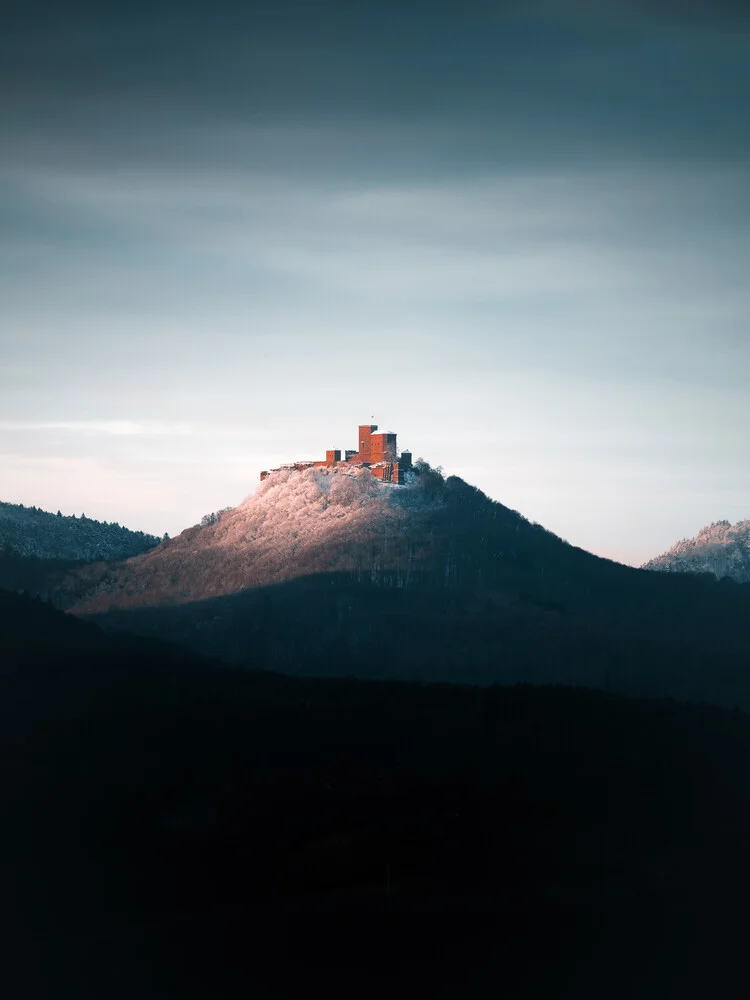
(721, 548)
(32, 532)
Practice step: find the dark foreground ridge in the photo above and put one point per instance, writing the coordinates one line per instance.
(179, 829)
(625, 631)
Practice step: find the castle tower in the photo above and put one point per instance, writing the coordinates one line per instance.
(383, 448)
(364, 441)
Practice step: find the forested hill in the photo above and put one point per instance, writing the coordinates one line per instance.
(298, 524)
(721, 548)
(322, 573)
(29, 531)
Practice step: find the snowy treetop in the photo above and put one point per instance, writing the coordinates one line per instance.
(29, 531)
(297, 521)
(721, 548)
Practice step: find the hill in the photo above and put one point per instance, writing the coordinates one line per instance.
(721, 549)
(177, 828)
(434, 531)
(29, 531)
(37, 548)
(328, 573)
(296, 524)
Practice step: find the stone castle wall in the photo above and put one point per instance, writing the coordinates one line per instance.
(377, 452)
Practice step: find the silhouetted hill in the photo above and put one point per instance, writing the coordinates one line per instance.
(176, 829)
(721, 548)
(329, 574)
(41, 577)
(685, 638)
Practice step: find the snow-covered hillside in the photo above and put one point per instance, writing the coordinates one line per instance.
(29, 531)
(720, 548)
(296, 523)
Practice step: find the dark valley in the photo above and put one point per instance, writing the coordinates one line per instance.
(174, 827)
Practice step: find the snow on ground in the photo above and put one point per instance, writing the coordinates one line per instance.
(297, 522)
(720, 548)
(29, 531)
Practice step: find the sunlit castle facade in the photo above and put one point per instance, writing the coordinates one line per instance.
(377, 452)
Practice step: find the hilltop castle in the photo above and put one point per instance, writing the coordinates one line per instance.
(377, 452)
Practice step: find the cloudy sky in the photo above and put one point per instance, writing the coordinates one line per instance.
(517, 233)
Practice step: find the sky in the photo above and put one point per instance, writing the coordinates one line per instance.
(517, 234)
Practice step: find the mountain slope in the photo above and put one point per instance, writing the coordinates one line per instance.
(324, 573)
(721, 548)
(318, 521)
(30, 532)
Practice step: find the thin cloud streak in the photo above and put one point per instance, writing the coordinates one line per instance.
(132, 428)
(116, 428)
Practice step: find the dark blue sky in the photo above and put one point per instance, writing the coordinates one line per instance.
(518, 233)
